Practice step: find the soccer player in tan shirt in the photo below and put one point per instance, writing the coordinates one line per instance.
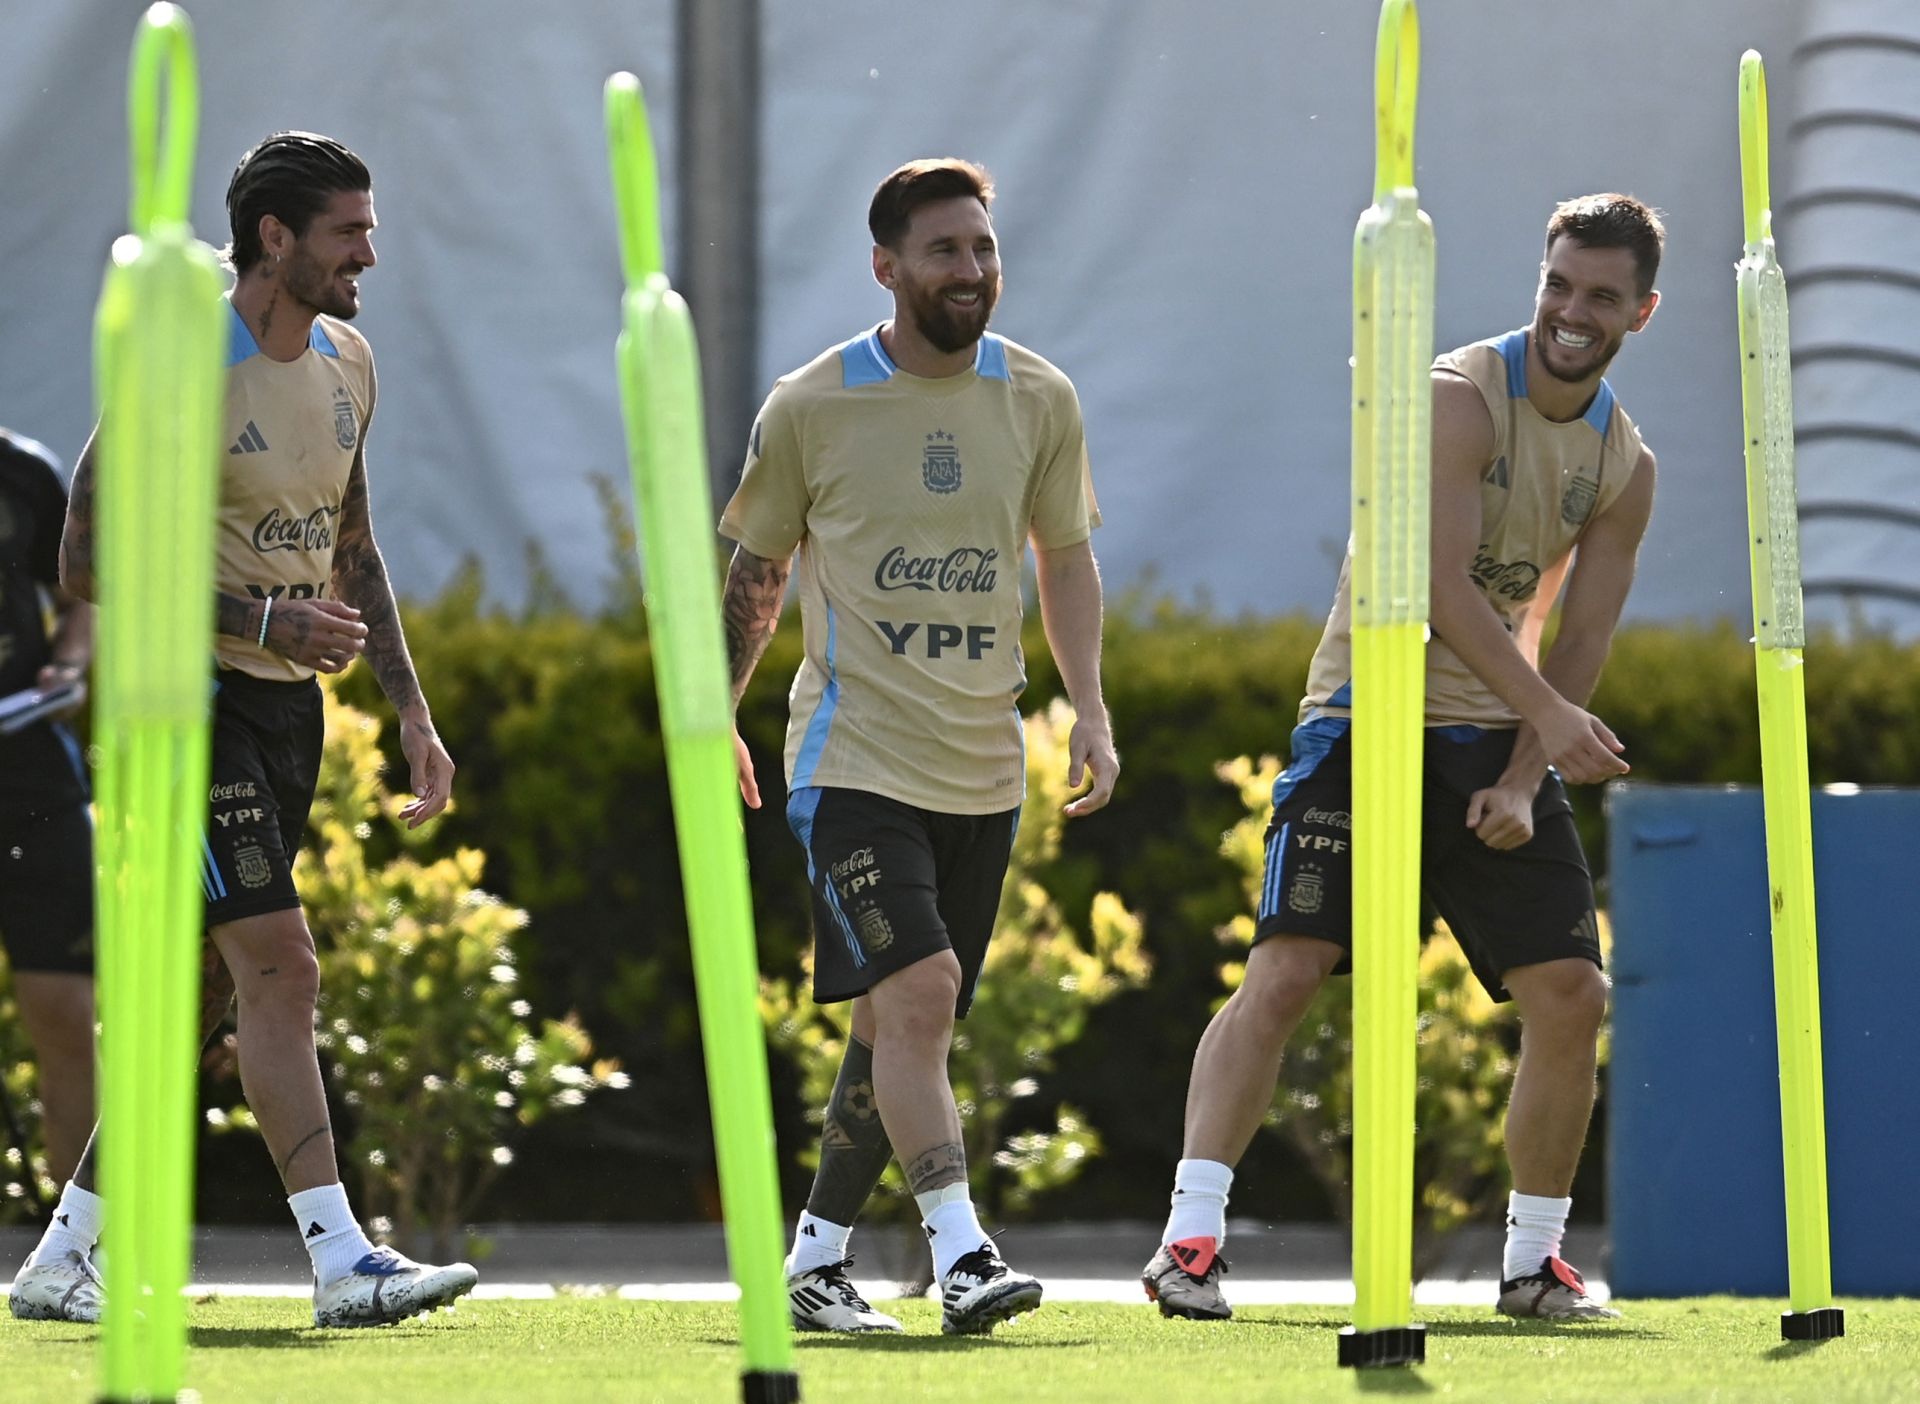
(1538, 477)
(300, 588)
(908, 469)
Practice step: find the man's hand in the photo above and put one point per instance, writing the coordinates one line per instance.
(1501, 815)
(1579, 745)
(431, 778)
(1090, 753)
(325, 635)
(743, 763)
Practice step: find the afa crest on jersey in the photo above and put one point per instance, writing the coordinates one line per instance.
(1576, 504)
(251, 866)
(346, 431)
(940, 468)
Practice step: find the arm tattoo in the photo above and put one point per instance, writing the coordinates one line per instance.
(360, 579)
(235, 616)
(756, 588)
(76, 537)
(937, 1168)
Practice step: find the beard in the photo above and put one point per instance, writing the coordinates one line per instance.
(1599, 356)
(949, 328)
(306, 281)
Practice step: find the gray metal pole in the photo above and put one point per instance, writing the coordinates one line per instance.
(719, 180)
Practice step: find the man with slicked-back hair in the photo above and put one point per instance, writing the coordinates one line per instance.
(300, 589)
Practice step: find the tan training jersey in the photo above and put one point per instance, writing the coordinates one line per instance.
(1545, 483)
(293, 431)
(910, 502)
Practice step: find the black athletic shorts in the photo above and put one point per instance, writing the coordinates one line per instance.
(265, 765)
(46, 889)
(1506, 907)
(893, 884)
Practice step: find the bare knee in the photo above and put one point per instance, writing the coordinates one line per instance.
(1562, 1002)
(914, 1006)
(273, 964)
(1284, 973)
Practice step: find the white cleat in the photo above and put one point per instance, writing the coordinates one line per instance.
(66, 1290)
(825, 1299)
(1184, 1278)
(980, 1291)
(1555, 1293)
(385, 1287)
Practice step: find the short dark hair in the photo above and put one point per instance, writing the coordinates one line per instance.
(921, 183)
(1613, 221)
(291, 176)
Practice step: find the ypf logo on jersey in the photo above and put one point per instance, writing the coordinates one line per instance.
(346, 431)
(940, 468)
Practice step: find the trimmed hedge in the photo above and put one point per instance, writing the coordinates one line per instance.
(552, 719)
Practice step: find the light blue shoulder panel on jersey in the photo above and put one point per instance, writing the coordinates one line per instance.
(864, 361)
(1600, 413)
(240, 342)
(1513, 350)
(990, 361)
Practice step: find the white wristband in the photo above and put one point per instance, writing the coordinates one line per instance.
(266, 613)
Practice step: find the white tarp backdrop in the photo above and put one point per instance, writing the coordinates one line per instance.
(1178, 186)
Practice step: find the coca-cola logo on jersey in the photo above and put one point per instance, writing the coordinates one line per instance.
(1512, 580)
(279, 532)
(963, 570)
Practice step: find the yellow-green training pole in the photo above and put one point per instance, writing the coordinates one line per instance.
(1779, 635)
(660, 390)
(1392, 412)
(160, 387)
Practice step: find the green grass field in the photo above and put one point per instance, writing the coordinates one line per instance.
(585, 1350)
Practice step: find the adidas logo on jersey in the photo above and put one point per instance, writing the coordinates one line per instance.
(251, 440)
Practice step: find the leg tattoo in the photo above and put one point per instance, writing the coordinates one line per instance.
(299, 1146)
(937, 1168)
(853, 1145)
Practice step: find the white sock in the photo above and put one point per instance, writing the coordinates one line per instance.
(75, 1227)
(1535, 1226)
(817, 1243)
(333, 1236)
(953, 1231)
(1199, 1201)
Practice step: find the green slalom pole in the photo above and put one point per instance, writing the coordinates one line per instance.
(660, 391)
(158, 369)
(1392, 414)
(1779, 635)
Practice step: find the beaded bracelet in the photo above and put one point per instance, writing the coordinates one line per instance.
(266, 613)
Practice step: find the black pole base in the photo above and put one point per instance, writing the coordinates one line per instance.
(1821, 1324)
(1391, 1345)
(769, 1387)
